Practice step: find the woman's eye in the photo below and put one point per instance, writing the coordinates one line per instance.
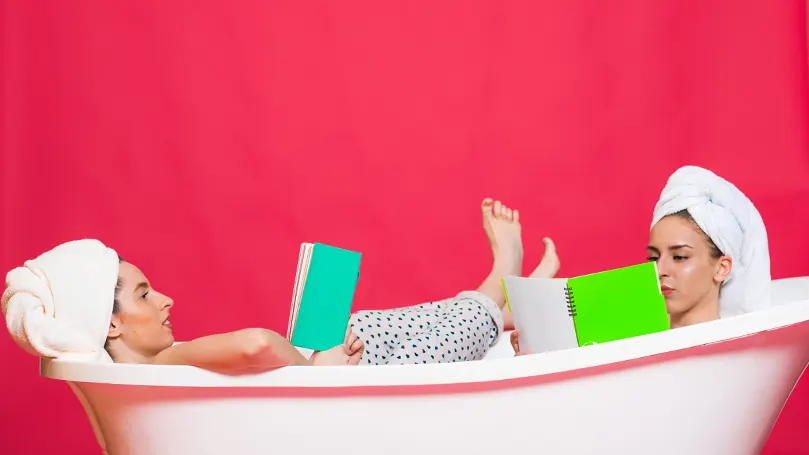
(652, 258)
(143, 296)
(680, 258)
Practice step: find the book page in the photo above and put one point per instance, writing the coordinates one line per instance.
(539, 307)
(304, 255)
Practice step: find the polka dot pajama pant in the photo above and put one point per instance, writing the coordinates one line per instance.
(452, 330)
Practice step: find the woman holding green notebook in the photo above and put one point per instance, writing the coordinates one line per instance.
(710, 245)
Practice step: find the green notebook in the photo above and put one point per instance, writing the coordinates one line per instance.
(321, 300)
(556, 313)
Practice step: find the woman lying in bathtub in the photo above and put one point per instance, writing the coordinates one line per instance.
(457, 329)
(119, 313)
(710, 245)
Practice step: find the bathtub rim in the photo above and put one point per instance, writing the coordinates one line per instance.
(771, 319)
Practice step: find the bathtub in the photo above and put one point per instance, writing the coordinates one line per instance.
(715, 388)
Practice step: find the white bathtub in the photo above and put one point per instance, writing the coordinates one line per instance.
(715, 388)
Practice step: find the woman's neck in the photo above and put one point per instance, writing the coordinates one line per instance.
(121, 353)
(705, 311)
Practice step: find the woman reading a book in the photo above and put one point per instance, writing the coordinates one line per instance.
(710, 244)
(81, 301)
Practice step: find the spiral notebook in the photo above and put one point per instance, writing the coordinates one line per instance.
(322, 297)
(562, 313)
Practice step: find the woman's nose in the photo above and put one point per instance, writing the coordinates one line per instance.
(662, 267)
(168, 303)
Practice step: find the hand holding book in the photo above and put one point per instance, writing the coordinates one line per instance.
(562, 313)
(348, 353)
(322, 297)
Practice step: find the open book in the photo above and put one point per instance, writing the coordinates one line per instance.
(562, 313)
(321, 300)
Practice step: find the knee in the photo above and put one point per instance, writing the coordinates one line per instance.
(354, 318)
(359, 319)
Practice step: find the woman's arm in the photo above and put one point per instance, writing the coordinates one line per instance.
(243, 351)
(508, 320)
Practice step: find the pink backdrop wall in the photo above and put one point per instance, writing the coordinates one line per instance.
(206, 141)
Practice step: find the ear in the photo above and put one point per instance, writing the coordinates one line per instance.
(115, 327)
(723, 266)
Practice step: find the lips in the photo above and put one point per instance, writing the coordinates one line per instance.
(666, 290)
(167, 322)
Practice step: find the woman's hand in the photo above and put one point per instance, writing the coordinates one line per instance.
(348, 353)
(355, 347)
(337, 355)
(515, 343)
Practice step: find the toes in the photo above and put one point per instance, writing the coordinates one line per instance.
(486, 206)
(550, 247)
(549, 265)
(551, 256)
(499, 210)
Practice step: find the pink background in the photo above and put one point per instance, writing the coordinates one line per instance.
(206, 141)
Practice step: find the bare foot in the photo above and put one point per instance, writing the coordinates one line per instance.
(502, 227)
(549, 265)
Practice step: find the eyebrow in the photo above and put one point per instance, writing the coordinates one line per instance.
(678, 247)
(142, 285)
(671, 248)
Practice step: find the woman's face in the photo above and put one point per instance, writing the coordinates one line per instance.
(142, 321)
(689, 273)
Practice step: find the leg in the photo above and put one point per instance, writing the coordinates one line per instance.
(549, 265)
(387, 334)
(460, 329)
(381, 329)
(502, 227)
(547, 268)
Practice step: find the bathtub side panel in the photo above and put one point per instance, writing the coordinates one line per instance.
(718, 401)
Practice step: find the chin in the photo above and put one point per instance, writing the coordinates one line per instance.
(169, 341)
(673, 307)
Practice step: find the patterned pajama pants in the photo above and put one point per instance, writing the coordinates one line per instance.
(452, 330)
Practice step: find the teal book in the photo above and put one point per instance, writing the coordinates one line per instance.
(325, 283)
(563, 313)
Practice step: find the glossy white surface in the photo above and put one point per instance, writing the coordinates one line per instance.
(715, 388)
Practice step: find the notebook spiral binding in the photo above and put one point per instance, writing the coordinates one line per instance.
(571, 302)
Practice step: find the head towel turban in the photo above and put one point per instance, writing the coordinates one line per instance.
(59, 305)
(734, 224)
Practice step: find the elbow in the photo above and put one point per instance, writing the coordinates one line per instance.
(257, 343)
(264, 349)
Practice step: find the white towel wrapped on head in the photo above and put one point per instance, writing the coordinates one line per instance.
(60, 304)
(734, 224)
